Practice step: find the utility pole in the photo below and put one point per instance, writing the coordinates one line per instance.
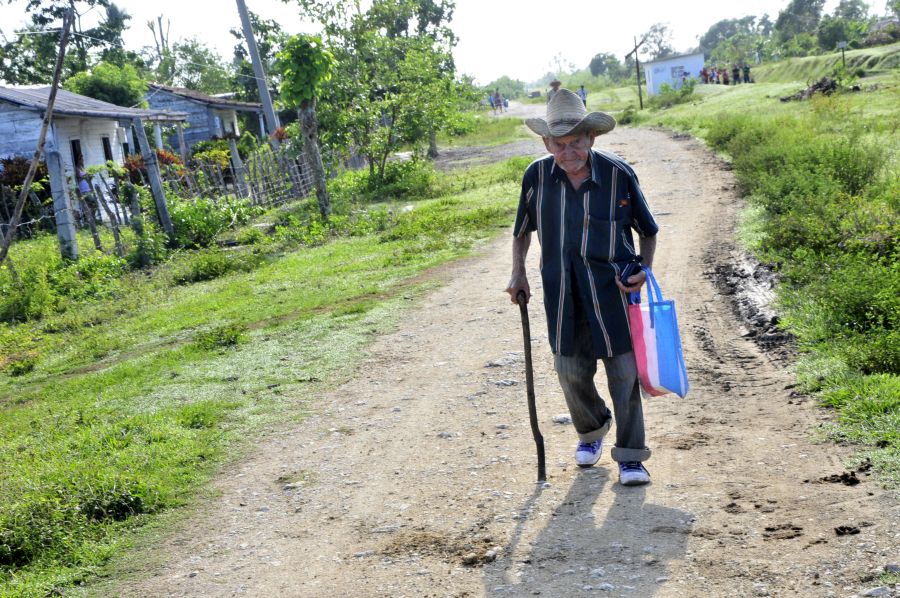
(637, 68)
(260, 72)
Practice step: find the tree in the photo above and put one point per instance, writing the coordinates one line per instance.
(852, 10)
(723, 30)
(304, 64)
(509, 88)
(800, 16)
(607, 64)
(29, 57)
(658, 42)
(394, 82)
(110, 83)
(195, 66)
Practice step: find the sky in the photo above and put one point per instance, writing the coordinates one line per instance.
(523, 39)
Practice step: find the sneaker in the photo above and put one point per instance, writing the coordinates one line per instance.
(588, 453)
(633, 473)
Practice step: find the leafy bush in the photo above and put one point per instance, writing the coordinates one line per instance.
(227, 335)
(668, 96)
(199, 220)
(407, 179)
(210, 264)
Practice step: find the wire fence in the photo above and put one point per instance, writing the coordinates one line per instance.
(267, 177)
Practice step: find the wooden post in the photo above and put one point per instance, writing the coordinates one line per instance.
(157, 135)
(129, 135)
(237, 166)
(637, 68)
(156, 187)
(262, 126)
(182, 147)
(113, 221)
(62, 205)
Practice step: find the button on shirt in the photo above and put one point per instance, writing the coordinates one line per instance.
(586, 240)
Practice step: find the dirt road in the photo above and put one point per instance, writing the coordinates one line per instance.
(418, 478)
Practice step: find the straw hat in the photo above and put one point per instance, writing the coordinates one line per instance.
(566, 115)
(555, 82)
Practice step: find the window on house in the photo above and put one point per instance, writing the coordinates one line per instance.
(77, 156)
(107, 149)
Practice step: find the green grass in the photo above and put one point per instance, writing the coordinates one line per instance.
(489, 131)
(133, 402)
(873, 61)
(821, 179)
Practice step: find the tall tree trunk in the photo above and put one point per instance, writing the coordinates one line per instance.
(432, 144)
(309, 127)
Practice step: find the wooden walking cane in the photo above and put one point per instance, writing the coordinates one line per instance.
(529, 382)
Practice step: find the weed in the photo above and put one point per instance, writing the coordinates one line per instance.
(227, 335)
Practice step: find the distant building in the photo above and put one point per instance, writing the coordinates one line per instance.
(208, 117)
(672, 71)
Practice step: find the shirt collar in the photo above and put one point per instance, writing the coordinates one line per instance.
(559, 175)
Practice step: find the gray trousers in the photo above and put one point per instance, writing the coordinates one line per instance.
(590, 414)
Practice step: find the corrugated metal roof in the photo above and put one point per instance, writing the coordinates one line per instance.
(213, 101)
(675, 57)
(73, 104)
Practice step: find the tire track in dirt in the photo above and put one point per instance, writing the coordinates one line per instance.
(417, 479)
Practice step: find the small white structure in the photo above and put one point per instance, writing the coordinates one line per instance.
(672, 71)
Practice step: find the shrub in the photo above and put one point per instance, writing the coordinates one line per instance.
(406, 179)
(227, 335)
(209, 264)
(199, 220)
(669, 96)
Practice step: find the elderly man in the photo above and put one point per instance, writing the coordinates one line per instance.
(584, 205)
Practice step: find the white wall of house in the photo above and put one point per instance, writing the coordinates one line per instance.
(90, 133)
(670, 70)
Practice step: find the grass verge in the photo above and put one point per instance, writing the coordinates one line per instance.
(822, 180)
(132, 401)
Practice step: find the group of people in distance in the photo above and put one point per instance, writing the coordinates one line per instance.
(497, 101)
(716, 74)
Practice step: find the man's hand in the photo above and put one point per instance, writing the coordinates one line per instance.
(518, 282)
(633, 284)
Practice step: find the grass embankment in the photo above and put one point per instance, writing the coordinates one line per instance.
(872, 61)
(489, 131)
(822, 180)
(133, 399)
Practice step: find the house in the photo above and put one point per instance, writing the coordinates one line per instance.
(672, 71)
(83, 130)
(208, 117)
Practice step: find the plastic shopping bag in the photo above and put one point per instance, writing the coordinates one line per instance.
(656, 342)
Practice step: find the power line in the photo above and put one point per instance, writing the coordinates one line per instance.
(103, 41)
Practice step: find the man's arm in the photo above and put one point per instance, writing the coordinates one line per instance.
(519, 280)
(634, 283)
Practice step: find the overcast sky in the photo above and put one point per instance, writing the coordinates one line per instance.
(518, 38)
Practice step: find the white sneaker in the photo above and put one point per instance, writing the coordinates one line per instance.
(633, 473)
(588, 453)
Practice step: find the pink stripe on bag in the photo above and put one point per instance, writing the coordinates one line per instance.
(643, 340)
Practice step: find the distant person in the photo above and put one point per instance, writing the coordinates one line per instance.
(725, 77)
(498, 101)
(554, 89)
(586, 207)
(491, 100)
(582, 93)
(704, 75)
(746, 73)
(735, 75)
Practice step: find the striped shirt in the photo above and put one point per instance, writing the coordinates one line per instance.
(585, 234)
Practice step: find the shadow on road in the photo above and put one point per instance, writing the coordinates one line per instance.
(629, 551)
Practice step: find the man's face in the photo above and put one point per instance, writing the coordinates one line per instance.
(571, 151)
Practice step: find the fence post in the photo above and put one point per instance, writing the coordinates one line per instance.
(237, 166)
(156, 187)
(62, 206)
